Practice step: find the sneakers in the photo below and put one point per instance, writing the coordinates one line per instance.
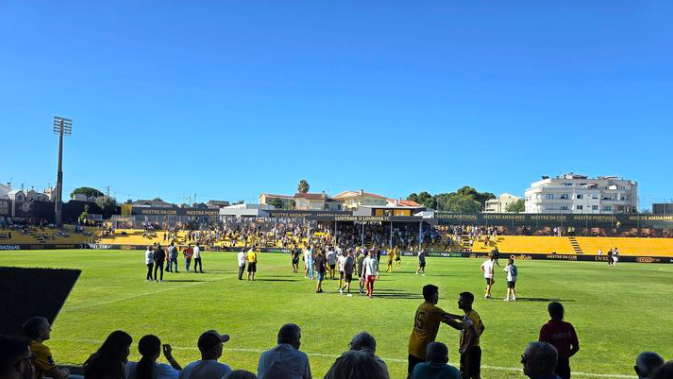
(422, 274)
(349, 295)
(341, 292)
(505, 299)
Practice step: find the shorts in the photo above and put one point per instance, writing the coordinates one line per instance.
(490, 281)
(470, 363)
(349, 278)
(295, 261)
(421, 264)
(398, 259)
(321, 276)
(331, 267)
(341, 274)
(511, 284)
(252, 267)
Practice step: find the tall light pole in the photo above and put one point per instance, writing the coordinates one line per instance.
(62, 126)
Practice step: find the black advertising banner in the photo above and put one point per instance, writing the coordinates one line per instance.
(552, 220)
(187, 212)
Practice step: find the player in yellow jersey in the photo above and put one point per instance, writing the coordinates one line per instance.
(252, 262)
(471, 328)
(391, 257)
(426, 325)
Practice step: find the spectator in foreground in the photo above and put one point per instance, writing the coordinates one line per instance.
(109, 362)
(562, 335)
(210, 346)
(15, 358)
(366, 343)
(664, 372)
(647, 363)
(38, 330)
(240, 374)
(285, 360)
(437, 365)
(355, 364)
(539, 361)
(147, 368)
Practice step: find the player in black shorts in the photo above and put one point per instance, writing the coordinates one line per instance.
(295, 259)
(348, 267)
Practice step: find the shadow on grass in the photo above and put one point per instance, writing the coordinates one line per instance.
(275, 280)
(184, 281)
(398, 295)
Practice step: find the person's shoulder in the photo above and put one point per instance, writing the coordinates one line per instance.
(39, 348)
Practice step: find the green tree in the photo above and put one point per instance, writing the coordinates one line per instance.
(157, 199)
(107, 203)
(463, 204)
(277, 203)
(88, 191)
(303, 186)
(426, 200)
(517, 206)
(413, 197)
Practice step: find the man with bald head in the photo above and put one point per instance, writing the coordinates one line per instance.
(647, 363)
(539, 361)
(366, 343)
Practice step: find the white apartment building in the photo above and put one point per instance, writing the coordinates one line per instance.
(572, 193)
(500, 203)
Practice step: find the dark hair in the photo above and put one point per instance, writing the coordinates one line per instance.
(11, 348)
(664, 372)
(34, 326)
(148, 346)
(109, 360)
(429, 291)
(288, 333)
(240, 374)
(467, 295)
(355, 364)
(437, 352)
(555, 310)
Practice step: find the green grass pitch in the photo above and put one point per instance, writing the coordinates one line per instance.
(617, 312)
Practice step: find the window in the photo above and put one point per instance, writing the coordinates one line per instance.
(564, 196)
(564, 207)
(594, 196)
(594, 207)
(579, 196)
(579, 207)
(567, 184)
(549, 196)
(607, 208)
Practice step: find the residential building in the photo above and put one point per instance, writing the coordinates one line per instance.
(573, 193)
(285, 201)
(32, 195)
(402, 203)
(662, 208)
(153, 204)
(217, 203)
(500, 203)
(356, 199)
(16, 195)
(4, 190)
(316, 202)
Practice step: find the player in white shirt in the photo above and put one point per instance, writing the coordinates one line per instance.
(511, 272)
(340, 266)
(331, 261)
(487, 268)
(241, 264)
(370, 271)
(149, 262)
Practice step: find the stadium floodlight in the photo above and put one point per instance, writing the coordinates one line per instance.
(62, 126)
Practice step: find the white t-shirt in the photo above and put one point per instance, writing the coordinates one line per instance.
(307, 255)
(511, 272)
(149, 257)
(488, 269)
(241, 258)
(197, 252)
(341, 261)
(205, 369)
(369, 266)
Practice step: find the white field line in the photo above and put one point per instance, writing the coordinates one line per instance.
(67, 309)
(396, 360)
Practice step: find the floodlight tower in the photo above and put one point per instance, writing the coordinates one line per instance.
(62, 126)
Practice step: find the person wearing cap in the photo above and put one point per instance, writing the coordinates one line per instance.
(436, 366)
(210, 346)
(285, 360)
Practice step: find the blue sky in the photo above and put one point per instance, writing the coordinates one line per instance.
(228, 99)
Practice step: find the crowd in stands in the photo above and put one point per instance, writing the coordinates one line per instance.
(27, 356)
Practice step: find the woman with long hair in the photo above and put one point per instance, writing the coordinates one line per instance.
(110, 360)
(147, 367)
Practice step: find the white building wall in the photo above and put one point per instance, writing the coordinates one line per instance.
(580, 195)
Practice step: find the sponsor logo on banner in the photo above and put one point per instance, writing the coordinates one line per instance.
(564, 257)
(127, 247)
(10, 247)
(522, 257)
(647, 260)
